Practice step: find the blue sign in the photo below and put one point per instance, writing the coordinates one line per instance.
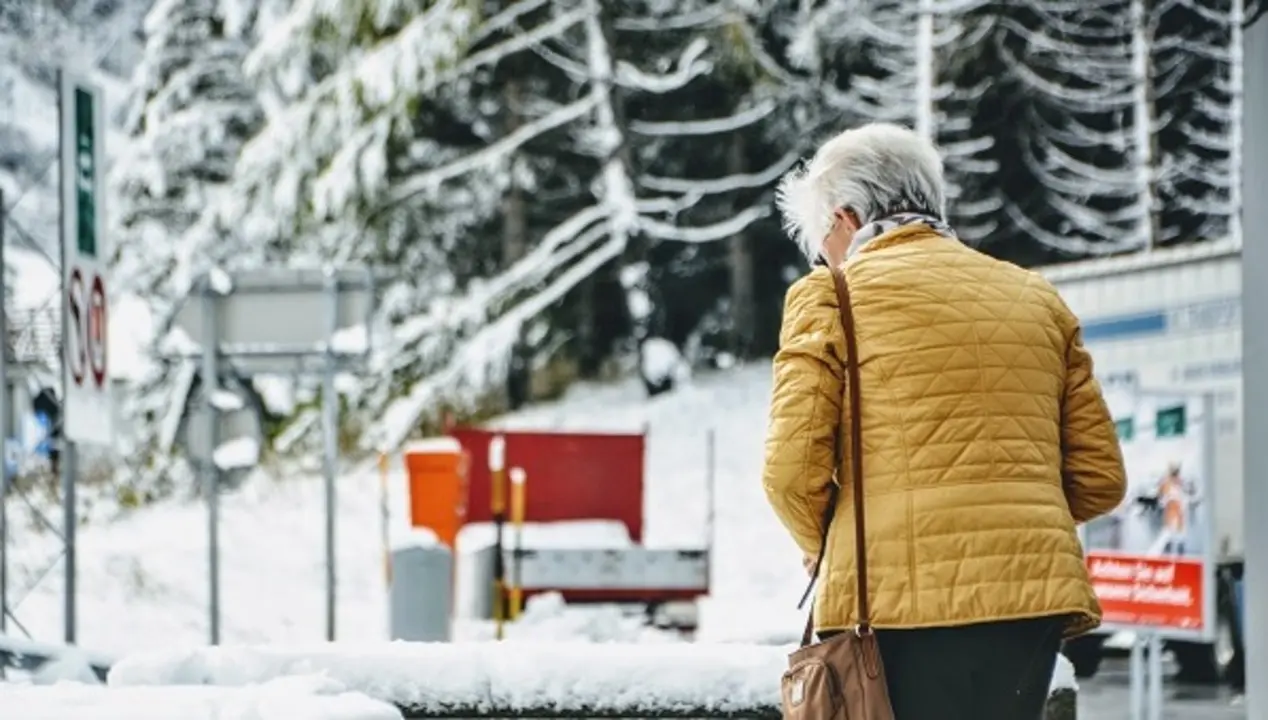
(43, 446)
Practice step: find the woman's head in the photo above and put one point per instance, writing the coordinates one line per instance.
(859, 176)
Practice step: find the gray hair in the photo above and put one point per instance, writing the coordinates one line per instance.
(875, 170)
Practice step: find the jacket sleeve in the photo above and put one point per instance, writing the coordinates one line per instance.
(805, 409)
(1093, 474)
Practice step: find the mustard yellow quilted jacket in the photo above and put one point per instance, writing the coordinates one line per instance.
(985, 438)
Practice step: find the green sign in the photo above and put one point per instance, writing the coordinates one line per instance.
(85, 175)
(1125, 428)
(1170, 422)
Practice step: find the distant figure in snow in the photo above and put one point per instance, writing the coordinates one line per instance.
(986, 438)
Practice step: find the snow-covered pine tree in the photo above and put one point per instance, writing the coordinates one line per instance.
(700, 154)
(189, 112)
(913, 63)
(964, 87)
(1073, 68)
(384, 152)
(1199, 61)
(378, 152)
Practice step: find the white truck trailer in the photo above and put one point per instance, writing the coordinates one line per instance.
(1170, 320)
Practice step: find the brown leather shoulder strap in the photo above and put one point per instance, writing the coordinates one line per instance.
(856, 443)
(853, 397)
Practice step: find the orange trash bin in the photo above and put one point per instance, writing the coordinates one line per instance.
(437, 487)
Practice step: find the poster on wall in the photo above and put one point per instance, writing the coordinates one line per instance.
(1151, 560)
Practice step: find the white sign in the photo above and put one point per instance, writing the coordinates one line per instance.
(88, 408)
(1151, 560)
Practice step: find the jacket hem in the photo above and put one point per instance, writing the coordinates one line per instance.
(1080, 621)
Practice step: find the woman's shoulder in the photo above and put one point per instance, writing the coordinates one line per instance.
(812, 289)
(810, 307)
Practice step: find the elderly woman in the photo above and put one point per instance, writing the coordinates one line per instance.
(985, 436)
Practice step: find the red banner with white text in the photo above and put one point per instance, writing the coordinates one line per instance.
(1140, 590)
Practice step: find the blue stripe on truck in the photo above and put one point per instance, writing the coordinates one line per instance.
(1120, 327)
(1199, 316)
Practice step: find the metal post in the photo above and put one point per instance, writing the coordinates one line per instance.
(385, 520)
(330, 428)
(67, 457)
(69, 461)
(519, 505)
(211, 472)
(1254, 357)
(1136, 678)
(497, 502)
(5, 413)
(1155, 676)
(711, 472)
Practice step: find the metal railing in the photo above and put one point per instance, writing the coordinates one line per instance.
(1062, 705)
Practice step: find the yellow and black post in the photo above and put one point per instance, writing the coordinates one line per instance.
(385, 519)
(518, 488)
(497, 502)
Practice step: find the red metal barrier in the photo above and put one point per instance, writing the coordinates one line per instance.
(571, 476)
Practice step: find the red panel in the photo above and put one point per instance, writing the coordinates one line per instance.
(571, 476)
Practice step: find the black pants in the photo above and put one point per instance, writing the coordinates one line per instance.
(991, 671)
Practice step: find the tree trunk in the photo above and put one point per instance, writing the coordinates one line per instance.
(1143, 120)
(514, 245)
(740, 262)
(1236, 81)
(923, 101)
(514, 210)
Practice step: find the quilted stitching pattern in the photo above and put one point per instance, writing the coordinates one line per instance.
(985, 437)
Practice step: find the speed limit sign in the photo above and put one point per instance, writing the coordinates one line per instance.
(88, 408)
(86, 314)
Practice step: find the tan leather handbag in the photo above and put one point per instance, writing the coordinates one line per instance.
(842, 677)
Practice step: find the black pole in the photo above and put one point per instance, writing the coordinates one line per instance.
(5, 413)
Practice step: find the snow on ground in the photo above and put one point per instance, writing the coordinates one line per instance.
(515, 676)
(301, 698)
(143, 579)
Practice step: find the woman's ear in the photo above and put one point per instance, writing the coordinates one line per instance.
(851, 217)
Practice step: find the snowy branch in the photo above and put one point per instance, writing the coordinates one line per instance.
(715, 126)
(730, 183)
(709, 233)
(496, 152)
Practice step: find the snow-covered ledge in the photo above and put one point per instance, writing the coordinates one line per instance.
(517, 678)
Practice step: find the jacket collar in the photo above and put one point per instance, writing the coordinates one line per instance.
(901, 235)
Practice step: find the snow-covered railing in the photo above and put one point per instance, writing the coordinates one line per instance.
(517, 678)
(30, 655)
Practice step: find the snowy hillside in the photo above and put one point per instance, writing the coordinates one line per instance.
(143, 579)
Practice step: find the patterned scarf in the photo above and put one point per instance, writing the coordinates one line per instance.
(875, 229)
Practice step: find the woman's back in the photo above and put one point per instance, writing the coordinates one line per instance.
(964, 372)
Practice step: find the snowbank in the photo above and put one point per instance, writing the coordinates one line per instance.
(510, 677)
(1063, 675)
(443, 677)
(761, 622)
(297, 698)
(547, 619)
